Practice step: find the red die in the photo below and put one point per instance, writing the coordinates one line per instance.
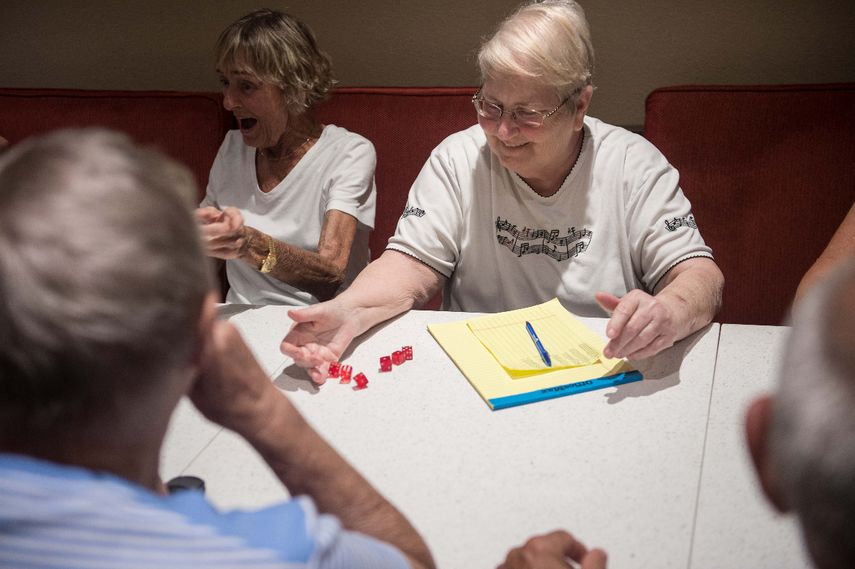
(385, 363)
(408, 352)
(398, 357)
(361, 381)
(334, 369)
(345, 372)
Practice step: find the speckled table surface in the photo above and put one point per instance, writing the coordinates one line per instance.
(735, 526)
(623, 468)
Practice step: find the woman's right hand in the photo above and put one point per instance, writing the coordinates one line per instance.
(223, 232)
(320, 335)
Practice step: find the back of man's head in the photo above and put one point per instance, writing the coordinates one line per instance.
(102, 277)
(812, 436)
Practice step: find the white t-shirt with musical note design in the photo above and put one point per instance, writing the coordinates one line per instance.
(618, 222)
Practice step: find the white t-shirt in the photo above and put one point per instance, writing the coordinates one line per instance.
(337, 172)
(618, 222)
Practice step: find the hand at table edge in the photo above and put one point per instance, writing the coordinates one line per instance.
(552, 551)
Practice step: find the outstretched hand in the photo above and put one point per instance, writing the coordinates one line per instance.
(554, 550)
(320, 335)
(641, 325)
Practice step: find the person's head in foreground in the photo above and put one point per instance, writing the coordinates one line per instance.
(536, 75)
(272, 72)
(106, 320)
(802, 438)
(102, 281)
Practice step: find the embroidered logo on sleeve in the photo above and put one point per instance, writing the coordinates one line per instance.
(676, 222)
(526, 241)
(410, 210)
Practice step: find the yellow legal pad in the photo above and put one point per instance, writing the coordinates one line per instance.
(500, 360)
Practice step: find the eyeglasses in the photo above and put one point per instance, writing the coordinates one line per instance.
(520, 115)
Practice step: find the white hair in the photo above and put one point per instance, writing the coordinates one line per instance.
(547, 41)
(102, 275)
(812, 438)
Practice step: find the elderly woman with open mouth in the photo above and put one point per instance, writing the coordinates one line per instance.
(290, 202)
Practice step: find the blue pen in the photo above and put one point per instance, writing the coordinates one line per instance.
(543, 353)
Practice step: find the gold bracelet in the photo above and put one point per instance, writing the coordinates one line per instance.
(269, 261)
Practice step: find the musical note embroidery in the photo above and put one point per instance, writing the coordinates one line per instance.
(676, 222)
(410, 210)
(540, 241)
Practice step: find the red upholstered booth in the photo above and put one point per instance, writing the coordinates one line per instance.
(187, 126)
(770, 171)
(404, 124)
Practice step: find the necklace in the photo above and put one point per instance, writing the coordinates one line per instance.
(581, 144)
(285, 156)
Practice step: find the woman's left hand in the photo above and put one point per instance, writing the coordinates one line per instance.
(223, 232)
(641, 325)
(687, 298)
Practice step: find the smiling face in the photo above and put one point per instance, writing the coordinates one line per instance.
(541, 155)
(259, 108)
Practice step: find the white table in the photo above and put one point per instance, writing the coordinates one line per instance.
(189, 432)
(620, 467)
(735, 525)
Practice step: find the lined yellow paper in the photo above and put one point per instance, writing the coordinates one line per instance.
(501, 387)
(569, 342)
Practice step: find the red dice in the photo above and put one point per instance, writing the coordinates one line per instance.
(334, 369)
(408, 352)
(344, 373)
(361, 381)
(398, 357)
(385, 363)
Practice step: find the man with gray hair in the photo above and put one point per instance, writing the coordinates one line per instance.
(107, 318)
(802, 438)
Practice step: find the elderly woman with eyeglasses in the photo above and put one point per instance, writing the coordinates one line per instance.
(290, 202)
(536, 201)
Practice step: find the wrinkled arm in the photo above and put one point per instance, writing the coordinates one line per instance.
(841, 246)
(321, 273)
(394, 283)
(389, 286)
(233, 391)
(686, 299)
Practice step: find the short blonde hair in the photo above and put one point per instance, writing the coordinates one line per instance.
(277, 48)
(547, 41)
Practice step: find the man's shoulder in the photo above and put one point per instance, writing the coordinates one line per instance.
(40, 497)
